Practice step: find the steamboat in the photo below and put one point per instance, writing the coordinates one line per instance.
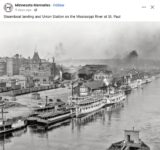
(87, 97)
(131, 142)
(115, 97)
(86, 105)
(93, 96)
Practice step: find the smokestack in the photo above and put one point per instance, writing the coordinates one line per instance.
(106, 82)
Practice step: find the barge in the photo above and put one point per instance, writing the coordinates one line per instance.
(45, 120)
(51, 118)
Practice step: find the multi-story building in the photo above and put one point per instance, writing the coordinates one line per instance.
(2, 67)
(16, 81)
(103, 74)
(42, 72)
(13, 65)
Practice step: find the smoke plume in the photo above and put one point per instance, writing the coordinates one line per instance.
(133, 55)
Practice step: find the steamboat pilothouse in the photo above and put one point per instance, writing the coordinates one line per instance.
(131, 141)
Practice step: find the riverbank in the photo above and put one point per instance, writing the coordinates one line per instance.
(27, 104)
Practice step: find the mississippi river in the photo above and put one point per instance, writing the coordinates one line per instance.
(97, 131)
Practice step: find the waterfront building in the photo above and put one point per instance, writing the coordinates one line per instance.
(13, 65)
(16, 81)
(85, 73)
(96, 67)
(132, 77)
(23, 81)
(134, 74)
(67, 76)
(103, 74)
(85, 88)
(69, 73)
(2, 67)
(42, 72)
(88, 71)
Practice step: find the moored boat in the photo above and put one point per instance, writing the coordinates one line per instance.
(88, 97)
(89, 104)
(116, 97)
(50, 118)
(134, 84)
(7, 127)
(11, 126)
(131, 142)
(127, 89)
(92, 96)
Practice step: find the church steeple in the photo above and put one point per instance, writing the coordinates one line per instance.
(36, 58)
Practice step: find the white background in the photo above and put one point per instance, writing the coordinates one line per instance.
(128, 10)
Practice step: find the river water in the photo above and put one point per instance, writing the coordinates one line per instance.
(97, 131)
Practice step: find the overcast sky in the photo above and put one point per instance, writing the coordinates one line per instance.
(80, 39)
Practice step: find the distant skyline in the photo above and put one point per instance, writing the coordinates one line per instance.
(73, 40)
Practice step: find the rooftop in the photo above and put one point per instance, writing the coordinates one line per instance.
(94, 84)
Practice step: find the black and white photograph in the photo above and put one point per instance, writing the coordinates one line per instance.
(80, 85)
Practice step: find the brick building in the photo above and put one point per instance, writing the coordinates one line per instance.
(43, 72)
